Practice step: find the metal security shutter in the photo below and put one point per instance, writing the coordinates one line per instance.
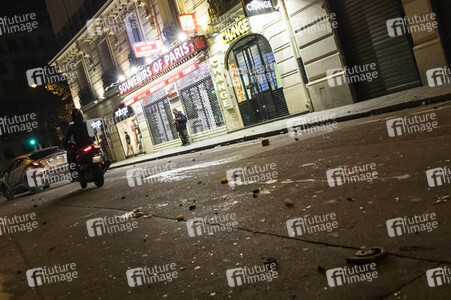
(160, 118)
(201, 106)
(364, 40)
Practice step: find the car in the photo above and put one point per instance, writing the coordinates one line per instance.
(33, 171)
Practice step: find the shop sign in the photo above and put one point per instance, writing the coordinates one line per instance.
(162, 84)
(258, 7)
(171, 90)
(238, 28)
(146, 48)
(188, 23)
(162, 63)
(123, 113)
(236, 83)
(220, 83)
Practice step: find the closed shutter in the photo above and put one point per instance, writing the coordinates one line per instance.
(364, 40)
(161, 122)
(201, 106)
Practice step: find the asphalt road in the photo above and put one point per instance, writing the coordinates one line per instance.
(250, 228)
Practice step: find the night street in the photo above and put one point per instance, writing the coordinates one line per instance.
(253, 219)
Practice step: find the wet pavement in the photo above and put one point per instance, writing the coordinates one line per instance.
(248, 224)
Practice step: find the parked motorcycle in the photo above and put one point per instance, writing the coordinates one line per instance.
(91, 166)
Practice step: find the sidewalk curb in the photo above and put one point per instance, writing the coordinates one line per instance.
(371, 112)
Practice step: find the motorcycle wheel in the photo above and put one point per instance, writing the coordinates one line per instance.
(99, 177)
(83, 182)
(9, 195)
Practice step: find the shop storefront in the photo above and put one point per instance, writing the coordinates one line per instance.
(256, 80)
(256, 92)
(179, 79)
(129, 131)
(100, 131)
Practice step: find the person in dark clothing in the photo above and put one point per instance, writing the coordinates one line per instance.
(78, 134)
(180, 125)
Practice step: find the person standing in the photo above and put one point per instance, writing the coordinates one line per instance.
(180, 125)
(129, 143)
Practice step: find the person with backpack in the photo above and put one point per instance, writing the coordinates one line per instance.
(180, 125)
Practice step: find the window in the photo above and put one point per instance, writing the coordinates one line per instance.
(105, 56)
(133, 30)
(82, 79)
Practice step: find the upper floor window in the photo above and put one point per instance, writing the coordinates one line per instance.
(82, 79)
(105, 56)
(133, 30)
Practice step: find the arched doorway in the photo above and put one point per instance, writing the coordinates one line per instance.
(256, 80)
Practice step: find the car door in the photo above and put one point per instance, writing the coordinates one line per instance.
(14, 174)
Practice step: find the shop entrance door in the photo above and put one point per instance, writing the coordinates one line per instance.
(256, 80)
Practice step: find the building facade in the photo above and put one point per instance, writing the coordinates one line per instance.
(244, 63)
(351, 50)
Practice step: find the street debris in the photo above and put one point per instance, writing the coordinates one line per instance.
(265, 142)
(442, 199)
(255, 193)
(350, 199)
(136, 213)
(224, 180)
(364, 256)
(192, 206)
(269, 262)
(288, 202)
(180, 218)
